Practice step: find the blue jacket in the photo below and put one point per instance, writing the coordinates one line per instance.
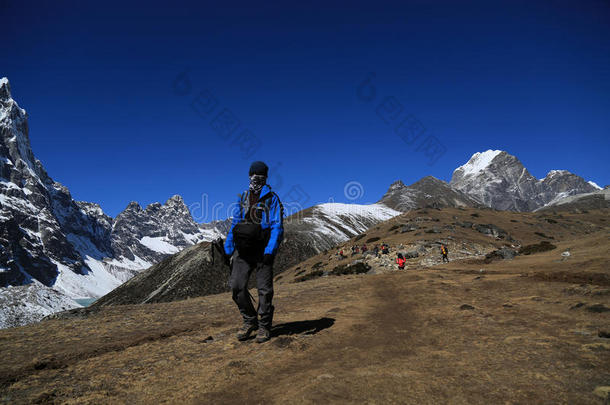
(272, 220)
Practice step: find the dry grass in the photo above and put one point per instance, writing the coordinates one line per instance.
(398, 337)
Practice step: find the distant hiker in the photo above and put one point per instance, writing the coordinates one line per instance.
(385, 249)
(256, 232)
(364, 249)
(444, 252)
(376, 251)
(400, 261)
(353, 250)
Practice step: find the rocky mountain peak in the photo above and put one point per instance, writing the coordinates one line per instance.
(428, 191)
(499, 180)
(176, 206)
(17, 160)
(429, 180)
(175, 199)
(397, 185)
(133, 206)
(553, 173)
(153, 207)
(5, 89)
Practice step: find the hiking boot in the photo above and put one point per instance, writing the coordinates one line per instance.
(245, 331)
(263, 335)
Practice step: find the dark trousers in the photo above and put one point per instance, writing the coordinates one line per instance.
(240, 274)
(445, 258)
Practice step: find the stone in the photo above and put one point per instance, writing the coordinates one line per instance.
(411, 254)
(500, 254)
(603, 392)
(597, 308)
(408, 228)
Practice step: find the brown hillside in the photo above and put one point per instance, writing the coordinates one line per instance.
(529, 330)
(463, 230)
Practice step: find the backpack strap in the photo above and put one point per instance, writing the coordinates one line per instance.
(267, 199)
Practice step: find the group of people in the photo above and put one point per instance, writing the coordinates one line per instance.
(382, 248)
(377, 250)
(355, 249)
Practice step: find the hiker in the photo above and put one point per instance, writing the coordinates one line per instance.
(256, 232)
(400, 261)
(385, 249)
(364, 249)
(376, 251)
(353, 250)
(444, 252)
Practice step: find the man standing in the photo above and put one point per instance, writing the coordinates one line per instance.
(444, 253)
(256, 232)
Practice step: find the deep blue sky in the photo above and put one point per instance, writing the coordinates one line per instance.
(98, 82)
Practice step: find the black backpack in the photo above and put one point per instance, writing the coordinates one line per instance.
(249, 236)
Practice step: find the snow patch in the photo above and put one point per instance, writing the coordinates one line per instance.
(595, 185)
(340, 221)
(553, 173)
(159, 244)
(97, 282)
(479, 161)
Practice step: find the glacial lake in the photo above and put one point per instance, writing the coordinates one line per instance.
(85, 302)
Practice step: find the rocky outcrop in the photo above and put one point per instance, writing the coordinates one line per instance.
(427, 192)
(581, 202)
(40, 223)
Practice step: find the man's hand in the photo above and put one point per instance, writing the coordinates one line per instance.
(268, 260)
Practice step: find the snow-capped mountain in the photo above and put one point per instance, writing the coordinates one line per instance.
(428, 191)
(152, 233)
(499, 180)
(50, 241)
(330, 223)
(321, 227)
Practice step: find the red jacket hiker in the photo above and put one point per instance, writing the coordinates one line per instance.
(401, 262)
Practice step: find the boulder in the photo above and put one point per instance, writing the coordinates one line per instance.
(408, 228)
(411, 254)
(500, 254)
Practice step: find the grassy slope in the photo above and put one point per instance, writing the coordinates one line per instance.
(395, 336)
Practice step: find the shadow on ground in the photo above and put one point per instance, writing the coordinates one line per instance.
(309, 327)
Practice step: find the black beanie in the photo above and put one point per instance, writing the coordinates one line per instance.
(258, 167)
